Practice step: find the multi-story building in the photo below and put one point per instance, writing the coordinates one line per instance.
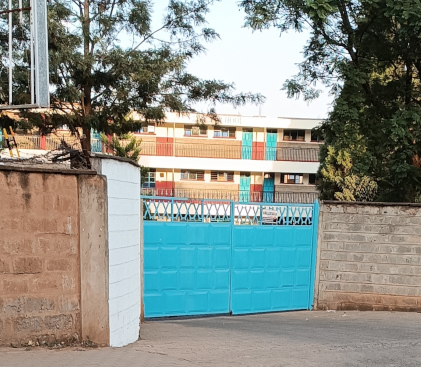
(239, 158)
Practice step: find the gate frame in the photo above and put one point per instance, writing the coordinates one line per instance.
(231, 214)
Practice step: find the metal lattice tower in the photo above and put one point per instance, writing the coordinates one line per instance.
(26, 47)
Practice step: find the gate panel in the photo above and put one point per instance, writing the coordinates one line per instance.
(272, 258)
(271, 268)
(186, 268)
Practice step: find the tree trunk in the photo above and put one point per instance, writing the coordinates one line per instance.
(87, 89)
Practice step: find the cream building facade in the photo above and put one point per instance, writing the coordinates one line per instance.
(239, 158)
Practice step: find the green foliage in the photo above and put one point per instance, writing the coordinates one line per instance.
(126, 146)
(368, 53)
(106, 61)
(338, 182)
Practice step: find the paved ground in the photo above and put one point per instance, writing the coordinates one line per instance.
(300, 339)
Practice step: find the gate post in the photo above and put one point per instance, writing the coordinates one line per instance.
(316, 208)
(232, 212)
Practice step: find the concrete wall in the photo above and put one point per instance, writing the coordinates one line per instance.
(93, 223)
(123, 179)
(39, 257)
(369, 257)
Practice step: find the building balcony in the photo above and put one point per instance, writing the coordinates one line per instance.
(237, 195)
(230, 152)
(52, 142)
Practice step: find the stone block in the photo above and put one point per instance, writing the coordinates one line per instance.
(27, 265)
(66, 304)
(59, 322)
(368, 209)
(4, 266)
(15, 286)
(332, 208)
(49, 225)
(29, 324)
(414, 220)
(68, 282)
(59, 265)
(35, 225)
(39, 304)
(15, 244)
(44, 284)
(332, 246)
(58, 244)
(13, 307)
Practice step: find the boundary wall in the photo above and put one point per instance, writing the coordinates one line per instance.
(369, 257)
(70, 245)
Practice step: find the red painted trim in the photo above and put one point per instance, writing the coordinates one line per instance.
(258, 151)
(256, 187)
(163, 184)
(42, 142)
(164, 140)
(164, 146)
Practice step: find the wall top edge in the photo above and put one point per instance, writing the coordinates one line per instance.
(35, 169)
(113, 157)
(371, 203)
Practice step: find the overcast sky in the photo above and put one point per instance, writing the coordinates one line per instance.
(256, 62)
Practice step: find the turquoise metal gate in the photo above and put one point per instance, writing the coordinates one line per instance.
(210, 257)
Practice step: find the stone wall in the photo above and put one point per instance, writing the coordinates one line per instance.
(70, 253)
(53, 224)
(39, 256)
(369, 257)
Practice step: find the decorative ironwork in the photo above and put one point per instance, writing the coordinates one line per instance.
(208, 211)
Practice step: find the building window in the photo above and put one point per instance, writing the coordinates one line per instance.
(190, 130)
(316, 136)
(312, 179)
(224, 132)
(193, 175)
(147, 129)
(272, 131)
(291, 178)
(294, 135)
(150, 178)
(222, 176)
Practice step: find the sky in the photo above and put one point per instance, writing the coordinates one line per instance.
(256, 62)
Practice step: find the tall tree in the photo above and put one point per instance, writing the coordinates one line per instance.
(368, 53)
(107, 61)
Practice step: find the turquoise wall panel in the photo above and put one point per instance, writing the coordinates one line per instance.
(271, 141)
(244, 194)
(247, 145)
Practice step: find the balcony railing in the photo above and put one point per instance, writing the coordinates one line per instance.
(53, 142)
(230, 152)
(241, 196)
